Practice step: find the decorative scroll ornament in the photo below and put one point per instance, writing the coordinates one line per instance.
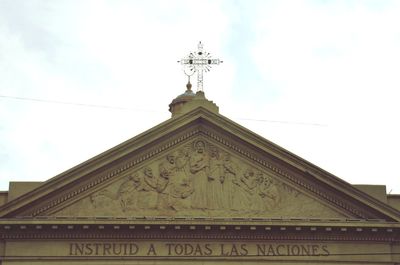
(199, 62)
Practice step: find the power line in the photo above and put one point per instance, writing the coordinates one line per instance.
(73, 103)
(285, 122)
(38, 100)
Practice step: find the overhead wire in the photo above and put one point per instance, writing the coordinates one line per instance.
(38, 100)
(73, 103)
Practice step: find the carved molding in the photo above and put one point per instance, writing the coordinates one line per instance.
(203, 236)
(283, 173)
(112, 174)
(205, 134)
(199, 178)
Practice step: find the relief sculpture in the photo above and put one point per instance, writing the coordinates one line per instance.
(200, 179)
(199, 168)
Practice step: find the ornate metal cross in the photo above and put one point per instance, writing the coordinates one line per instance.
(199, 62)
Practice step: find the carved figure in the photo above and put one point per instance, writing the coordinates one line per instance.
(240, 201)
(257, 204)
(199, 166)
(101, 199)
(173, 185)
(214, 181)
(163, 186)
(128, 193)
(193, 179)
(227, 177)
(147, 191)
(269, 192)
(182, 185)
(246, 198)
(176, 171)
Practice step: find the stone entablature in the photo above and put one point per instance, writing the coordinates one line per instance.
(201, 228)
(178, 134)
(200, 189)
(119, 240)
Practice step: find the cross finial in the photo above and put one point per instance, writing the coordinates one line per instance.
(200, 46)
(199, 62)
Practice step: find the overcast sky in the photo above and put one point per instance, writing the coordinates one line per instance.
(319, 78)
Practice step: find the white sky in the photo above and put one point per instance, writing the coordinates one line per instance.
(327, 71)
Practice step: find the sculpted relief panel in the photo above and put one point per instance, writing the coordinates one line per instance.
(199, 179)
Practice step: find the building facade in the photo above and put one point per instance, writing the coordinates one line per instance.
(198, 189)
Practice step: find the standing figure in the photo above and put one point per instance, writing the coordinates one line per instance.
(215, 182)
(241, 198)
(163, 185)
(228, 175)
(199, 167)
(183, 187)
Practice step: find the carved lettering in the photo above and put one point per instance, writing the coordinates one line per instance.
(195, 249)
(325, 250)
(97, 245)
(306, 250)
(243, 250)
(79, 249)
(151, 251)
(271, 251)
(106, 249)
(292, 250)
(295, 251)
(279, 250)
(103, 249)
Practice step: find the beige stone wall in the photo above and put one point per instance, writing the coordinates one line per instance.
(178, 262)
(197, 252)
(394, 201)
(376, 191)
(18, 188)
(3, 197)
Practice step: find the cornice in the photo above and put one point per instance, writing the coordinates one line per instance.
(153, 142)
(196, 131)
(125, 166)
(101, 160)
(159, 220)
(222, 229)
(258, 158)
(303, 165)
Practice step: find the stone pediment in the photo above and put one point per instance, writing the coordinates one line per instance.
(200, 178)
(198, 165)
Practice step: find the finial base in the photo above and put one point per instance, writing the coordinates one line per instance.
(189, 101)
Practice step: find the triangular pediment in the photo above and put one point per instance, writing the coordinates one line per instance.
(201, 178)
(198, 165)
